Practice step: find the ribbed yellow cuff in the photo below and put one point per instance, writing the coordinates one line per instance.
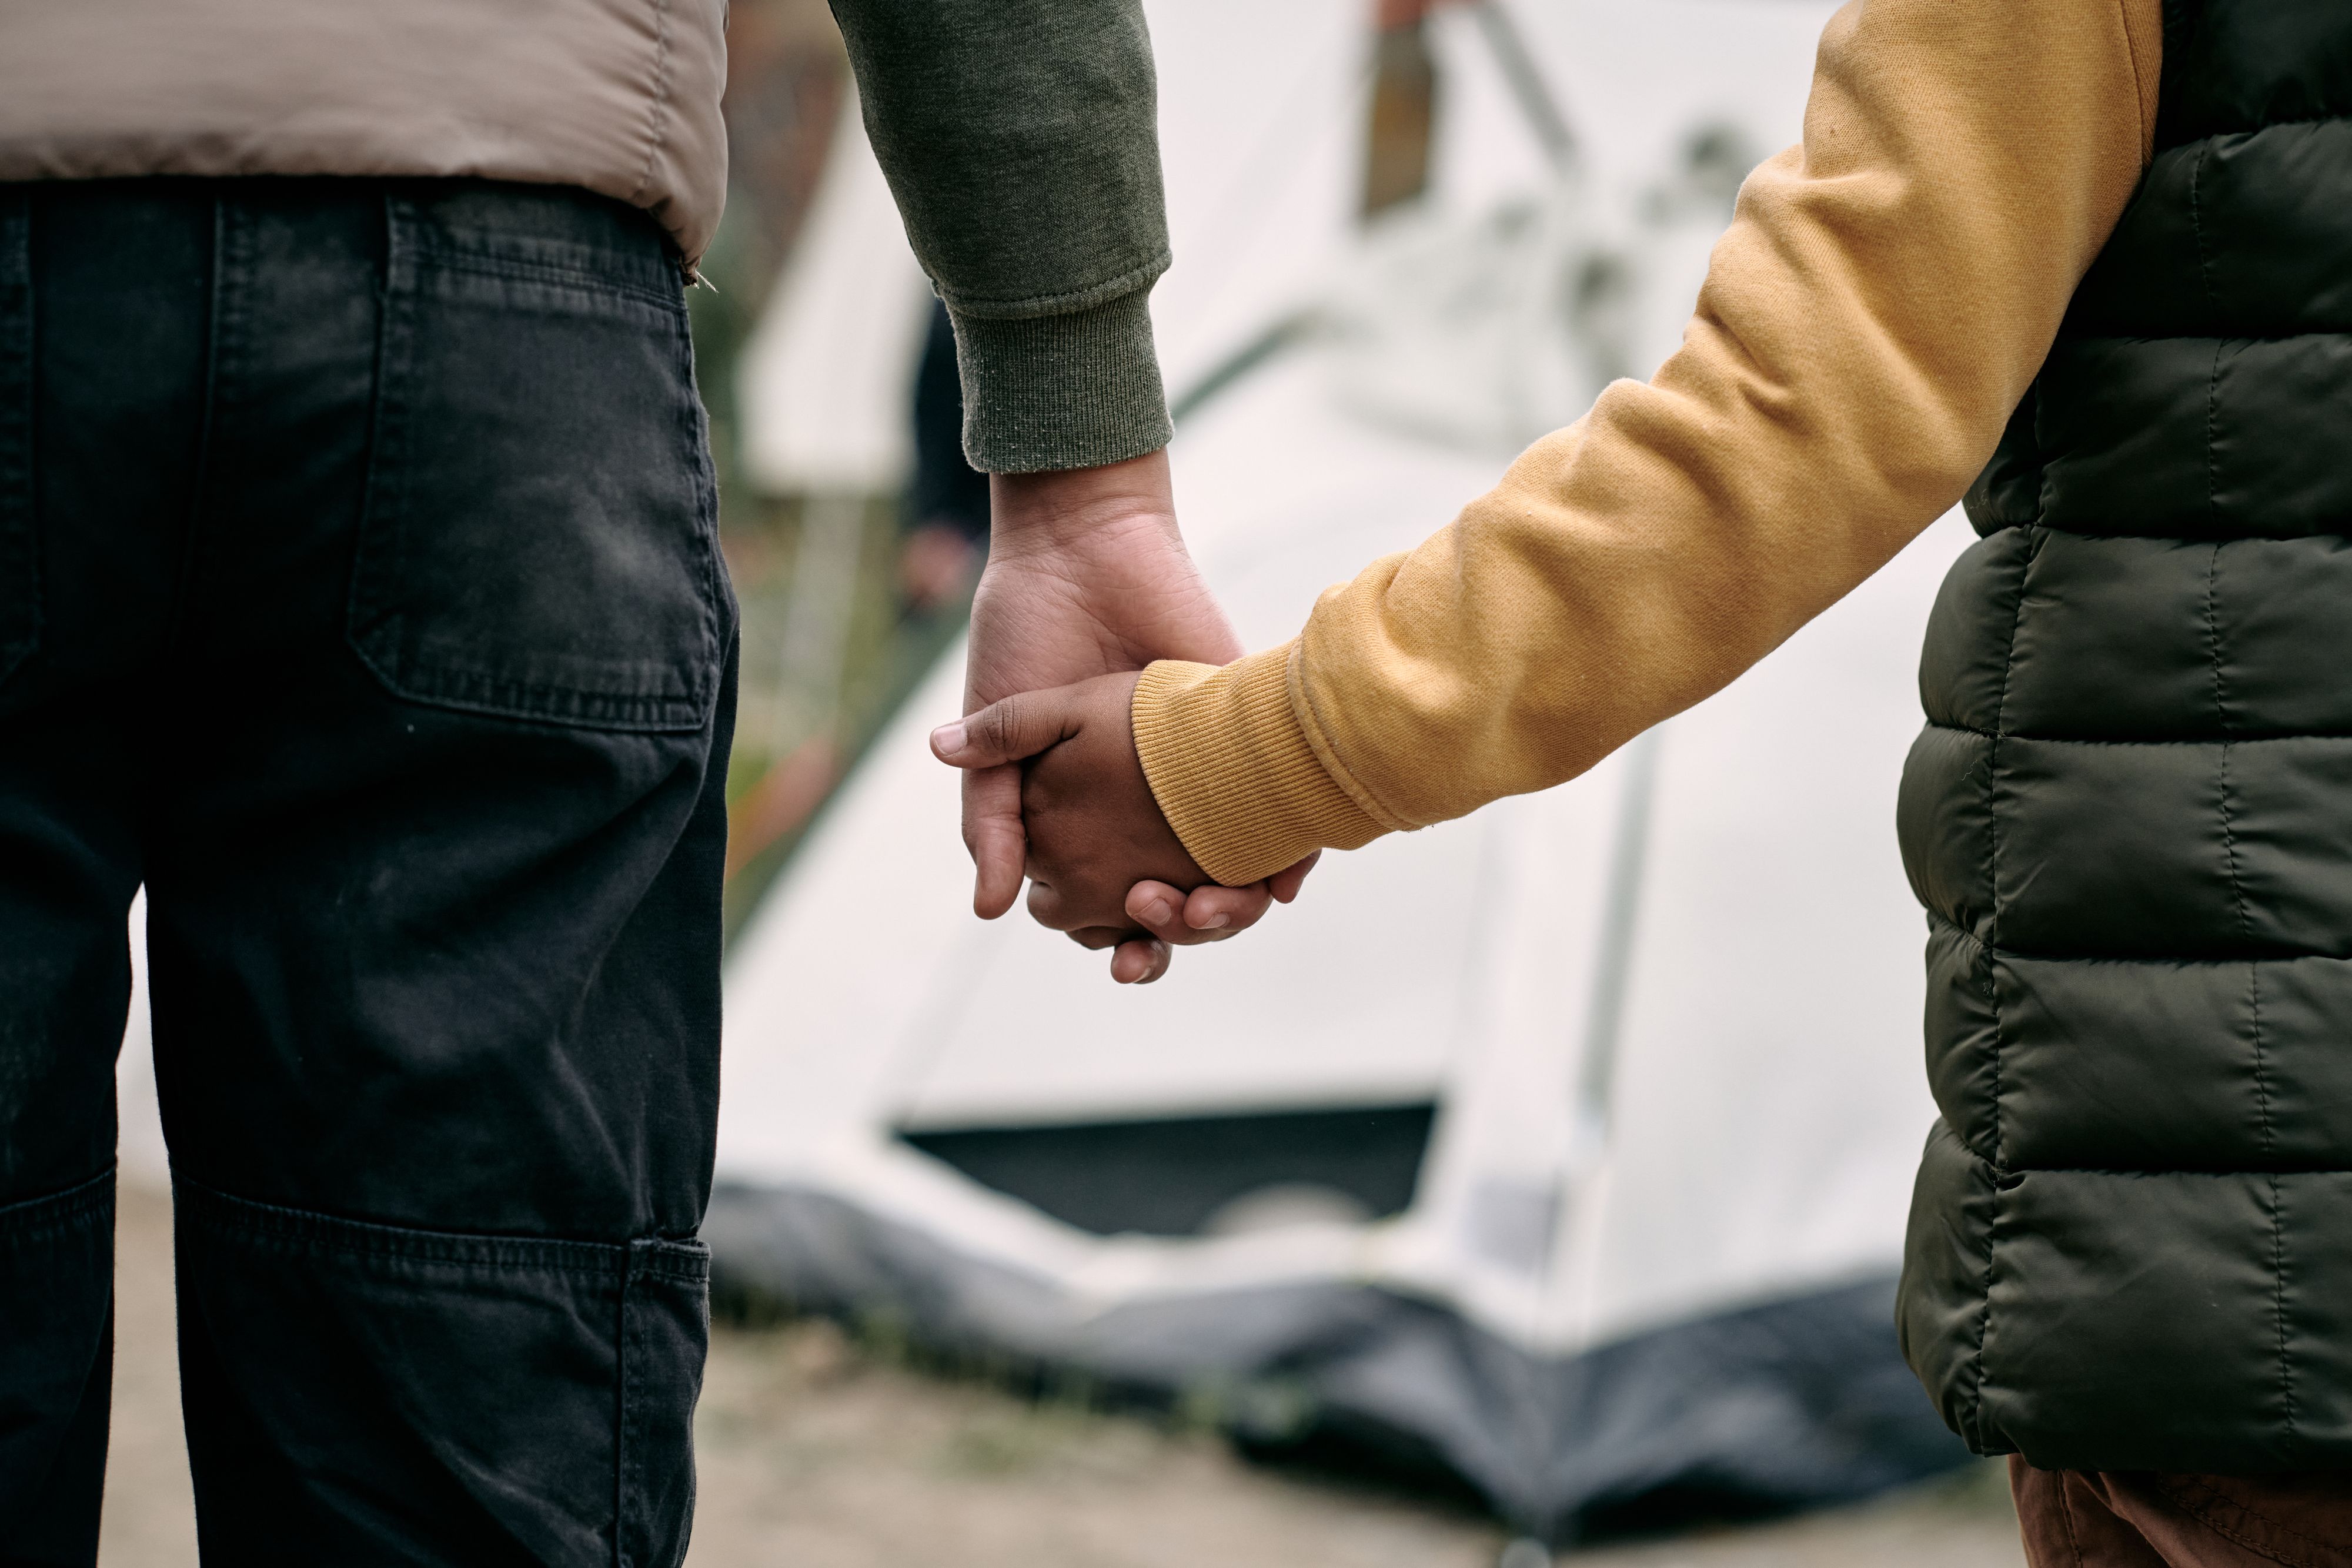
(1232, 768)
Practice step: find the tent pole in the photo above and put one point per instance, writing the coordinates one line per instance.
(1533, 94)
(1604, 1019)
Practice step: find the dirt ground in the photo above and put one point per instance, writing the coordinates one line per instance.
(817, 1455)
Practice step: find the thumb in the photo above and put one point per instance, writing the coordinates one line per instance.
(1006, 731)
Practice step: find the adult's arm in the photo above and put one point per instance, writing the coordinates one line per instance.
(1886, 294)
(1021, 140)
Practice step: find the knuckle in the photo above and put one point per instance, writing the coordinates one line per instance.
(999, 724)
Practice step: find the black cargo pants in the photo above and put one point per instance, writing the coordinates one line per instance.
(360, 596)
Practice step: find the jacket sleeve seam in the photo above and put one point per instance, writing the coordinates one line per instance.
(1310, 724)
(1069, 302)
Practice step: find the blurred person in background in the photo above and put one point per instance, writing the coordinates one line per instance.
(946, 509)
(2085, 261)
(360, 598)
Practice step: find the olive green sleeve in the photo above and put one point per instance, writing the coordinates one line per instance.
(1019, 138)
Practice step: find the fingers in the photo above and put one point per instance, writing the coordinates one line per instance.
(1285, 883)
(1092, 922)
(1209, 913)
(1159, 909)
(1135, 960)
(994, 833)
(1138, 961)
(1216, 912)
(989, 744)
(1006, 731)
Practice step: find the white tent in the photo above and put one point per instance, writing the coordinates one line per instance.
(1568, 1145)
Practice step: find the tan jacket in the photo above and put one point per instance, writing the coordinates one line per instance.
(1886, 294)
(619, 95)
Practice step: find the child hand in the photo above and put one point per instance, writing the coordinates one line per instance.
(1094, 830)
(1104, 865)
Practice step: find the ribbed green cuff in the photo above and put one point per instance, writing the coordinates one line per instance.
(1073, 391)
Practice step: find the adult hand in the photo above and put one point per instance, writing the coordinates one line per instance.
(1088, 575)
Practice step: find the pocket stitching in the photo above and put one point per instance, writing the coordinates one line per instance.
(553, 275)
(374, 619)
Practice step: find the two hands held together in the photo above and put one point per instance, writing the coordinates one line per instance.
(1102, 862)
(1087, 582)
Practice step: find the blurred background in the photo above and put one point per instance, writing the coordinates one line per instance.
(1560, 1221)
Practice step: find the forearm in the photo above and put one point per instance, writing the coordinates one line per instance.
(1886, 292)
(1020, 138)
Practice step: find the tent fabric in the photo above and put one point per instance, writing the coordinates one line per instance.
(1798, 1402)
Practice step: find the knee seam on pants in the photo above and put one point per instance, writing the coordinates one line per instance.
(46, 1215)
(277, 1228)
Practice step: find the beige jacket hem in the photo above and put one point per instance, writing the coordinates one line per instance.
(618, 96)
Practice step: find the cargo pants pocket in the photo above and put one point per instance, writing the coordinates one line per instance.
(358, 1392)
(20, 562)
(539, 536)
(665, 1334)
(56, 1276)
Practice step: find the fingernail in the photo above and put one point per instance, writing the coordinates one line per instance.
(1157, 911)
(1216, 923)
(948, 739)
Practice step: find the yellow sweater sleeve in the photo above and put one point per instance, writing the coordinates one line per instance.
(1886, 291)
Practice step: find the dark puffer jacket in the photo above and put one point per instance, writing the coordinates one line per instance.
(2130, 818)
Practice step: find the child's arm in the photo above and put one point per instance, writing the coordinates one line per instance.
(1884, 297)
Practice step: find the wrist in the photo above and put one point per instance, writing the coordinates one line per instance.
(1055, 508)
(1232, 768)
